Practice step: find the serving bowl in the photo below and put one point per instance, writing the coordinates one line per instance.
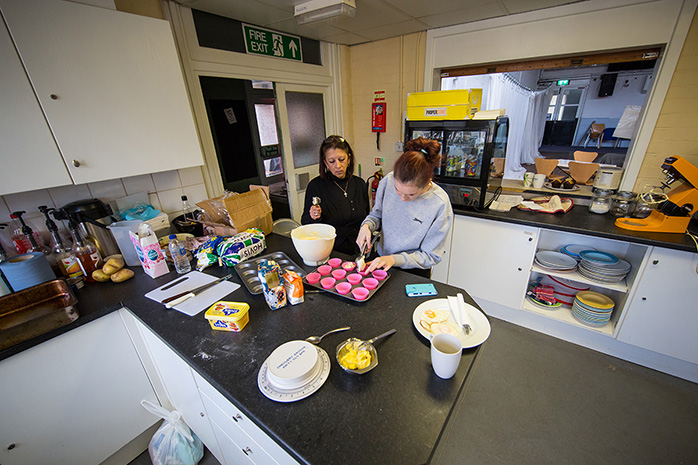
(314, 242)
(352, 344)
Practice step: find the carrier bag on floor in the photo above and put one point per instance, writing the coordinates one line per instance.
(173, 443)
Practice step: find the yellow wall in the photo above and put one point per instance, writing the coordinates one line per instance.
(676, 132)
(395, 65)
(150, 8)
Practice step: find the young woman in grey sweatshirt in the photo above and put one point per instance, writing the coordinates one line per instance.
(414, 214)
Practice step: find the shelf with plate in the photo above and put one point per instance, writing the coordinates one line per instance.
(620, 286)
(564, 313)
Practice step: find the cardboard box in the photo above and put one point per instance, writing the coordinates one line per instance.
(250, 210)
(150, 254)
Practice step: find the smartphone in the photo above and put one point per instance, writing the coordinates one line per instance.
(419, 290)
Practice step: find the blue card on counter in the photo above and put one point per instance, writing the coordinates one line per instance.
(419, 290)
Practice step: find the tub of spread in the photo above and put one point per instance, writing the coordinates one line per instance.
(228, 316)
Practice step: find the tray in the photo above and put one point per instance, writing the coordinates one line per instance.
(247, 270)
(344, 280)
(35, 310)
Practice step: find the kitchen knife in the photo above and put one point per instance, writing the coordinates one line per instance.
(181, 297)
(174, 283)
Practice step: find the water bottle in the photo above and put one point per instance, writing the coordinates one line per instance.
(179, 255)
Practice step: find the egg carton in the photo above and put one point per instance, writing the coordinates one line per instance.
(247, 270)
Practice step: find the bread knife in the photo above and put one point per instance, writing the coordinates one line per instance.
(181, 297)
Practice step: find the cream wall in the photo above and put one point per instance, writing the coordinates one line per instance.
(395, 65)
(676, 131)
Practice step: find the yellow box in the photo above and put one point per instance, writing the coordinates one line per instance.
(228, 316)
(444, 105)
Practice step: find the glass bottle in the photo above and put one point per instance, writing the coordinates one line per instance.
(87, 255)
(19, 239)
(601, 201)
(186, 209)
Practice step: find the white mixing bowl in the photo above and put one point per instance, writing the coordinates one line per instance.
(314, 242)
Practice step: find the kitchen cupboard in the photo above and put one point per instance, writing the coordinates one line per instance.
(229, 434)
(65, 400)
(662, 314)
(491, 260)
(24, 134)
(111, 89)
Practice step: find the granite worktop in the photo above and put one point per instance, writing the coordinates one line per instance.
(393, 414)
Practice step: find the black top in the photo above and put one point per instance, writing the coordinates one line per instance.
(344, 213)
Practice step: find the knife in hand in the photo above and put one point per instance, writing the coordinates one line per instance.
(181, 297)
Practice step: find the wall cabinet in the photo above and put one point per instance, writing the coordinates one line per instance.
(491, 260)
(111, 89)
(662, 314)
(65, 400)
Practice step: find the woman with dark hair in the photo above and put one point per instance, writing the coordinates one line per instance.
(415, 214)
(342, 197)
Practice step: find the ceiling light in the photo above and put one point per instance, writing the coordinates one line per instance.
(317, 10)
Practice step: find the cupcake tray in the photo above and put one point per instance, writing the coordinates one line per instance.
(247, 270)
(348, 295)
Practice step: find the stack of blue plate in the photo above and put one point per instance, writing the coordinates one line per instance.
(602, 267)
(573, 250)
(592, 308)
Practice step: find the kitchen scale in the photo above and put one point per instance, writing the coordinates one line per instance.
(319, 375)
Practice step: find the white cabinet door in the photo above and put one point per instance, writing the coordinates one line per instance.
(74, 399)
(28, 154)
(181, 389)
(492, 259)
(662, 315)
(110, 84)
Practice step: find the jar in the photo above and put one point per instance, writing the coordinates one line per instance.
(649, 200)
(623, 203)
(601, 201)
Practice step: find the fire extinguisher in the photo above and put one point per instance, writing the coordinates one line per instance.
(374, 181)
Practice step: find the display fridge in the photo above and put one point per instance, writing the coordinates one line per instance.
(467, 149)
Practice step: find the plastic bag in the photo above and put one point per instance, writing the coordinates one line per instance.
(140, 212)
(173, 443)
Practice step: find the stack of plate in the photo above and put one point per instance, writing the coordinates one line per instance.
(602, 267)
(555, 261)
(573, 250)
(592, 308)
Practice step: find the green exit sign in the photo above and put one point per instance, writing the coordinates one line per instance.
(563, 82)
(260, 41)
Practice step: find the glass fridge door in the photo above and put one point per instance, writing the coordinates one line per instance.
(464, 151)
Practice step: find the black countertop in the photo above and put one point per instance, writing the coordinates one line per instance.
(393, 414)
(580, 220)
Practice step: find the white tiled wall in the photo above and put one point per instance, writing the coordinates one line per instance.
(164, 190)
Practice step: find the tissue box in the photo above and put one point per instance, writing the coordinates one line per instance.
(150, 254)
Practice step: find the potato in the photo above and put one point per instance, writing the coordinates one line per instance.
(113, 265)
(99, 275)
(122, 275)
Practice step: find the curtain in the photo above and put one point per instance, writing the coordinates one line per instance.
(535, 124)
(506, 93)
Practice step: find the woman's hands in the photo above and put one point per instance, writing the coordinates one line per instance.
(364, 237)
(315, 212)
(385, 262)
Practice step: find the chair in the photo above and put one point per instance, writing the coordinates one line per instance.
(582, 172)
(595, 132)
(545, 166)
(579, 155)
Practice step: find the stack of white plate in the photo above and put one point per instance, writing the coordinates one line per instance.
(573, 250)
(592, 308)
(602, 267)
(555, 261)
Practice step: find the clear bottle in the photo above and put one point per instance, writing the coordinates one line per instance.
(86, 252)
(186, 209)
(179, 255)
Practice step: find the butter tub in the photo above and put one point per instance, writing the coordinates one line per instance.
(228, 316)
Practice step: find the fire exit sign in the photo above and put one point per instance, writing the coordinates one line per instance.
(563, 82)
(260, 41)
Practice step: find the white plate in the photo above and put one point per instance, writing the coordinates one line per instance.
(292, 395)
(478, 322)
(547, 185)
(553, 259)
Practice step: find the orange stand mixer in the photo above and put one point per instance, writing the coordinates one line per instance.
(674, 214)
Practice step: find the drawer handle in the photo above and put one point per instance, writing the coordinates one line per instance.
(247, 451)
(237, 417)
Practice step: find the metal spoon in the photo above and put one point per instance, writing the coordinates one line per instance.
(317, 339)
(371, 341)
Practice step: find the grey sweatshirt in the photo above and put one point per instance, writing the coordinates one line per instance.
(414, 232)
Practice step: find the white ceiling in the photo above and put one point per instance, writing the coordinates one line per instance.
(374, 19)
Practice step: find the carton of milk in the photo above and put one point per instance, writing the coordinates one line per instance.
(149, 251)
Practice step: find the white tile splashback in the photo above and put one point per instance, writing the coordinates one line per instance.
(164, 192)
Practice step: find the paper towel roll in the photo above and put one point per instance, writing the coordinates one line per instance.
(27, 270)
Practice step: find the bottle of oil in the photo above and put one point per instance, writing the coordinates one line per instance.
(86, 252)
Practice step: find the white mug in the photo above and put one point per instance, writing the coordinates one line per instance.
(538, 180)
(446, 351)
